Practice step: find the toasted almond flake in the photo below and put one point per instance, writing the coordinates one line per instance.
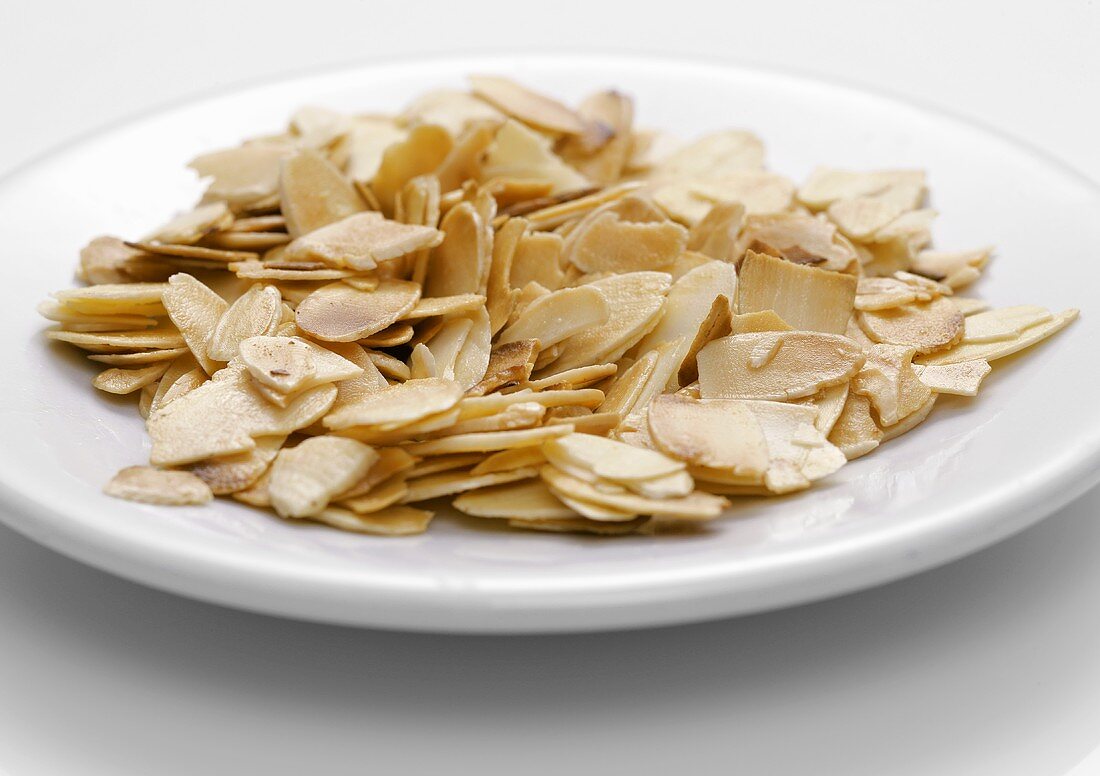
(612, 460)
(713, 155)
(386, 493)
(961, 379)
(115, 299)
(361, 241)
(407, 402)
(241, 176)
(452, 482)
(558, 316)
(508, 363)
(391, 521)
(911, 421)
(108, 260)
(257, 312)
(581, 377)
(582, 525)
(528, 500)
(628, 386)
(716, 234)
(245, 241)
(195, 310)
(521, 153)
(607, 244)
(290, 365)
(527, 106)
(305, 478)
(715, 433)
(990, 351)
(157, 486)
(421, 152)
(505, 460)
(802, 364)
(930, 327)
(123, 381)
(500, 298)
(689, 200)
(340, 313)
(488, 441)
(827, 185)
(697, 506)
(555, 211)
(855, 432)
(799, 238)
(143, 357)
(430, 307)
(805, 297)
(188, 228)
(456, 265)
(287, 271)
(887, 378)
(480, 406)
(445, 463)
(212, 255)
(233, 473)
(391, 461)
(1003, 323)
(388, 365)
(472, 360)
(119, 342)
(313, 193)
(392, 336)
(449, 108)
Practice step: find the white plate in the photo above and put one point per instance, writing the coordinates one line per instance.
(971, 475)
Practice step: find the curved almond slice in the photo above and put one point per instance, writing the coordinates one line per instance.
(455, 266)
(990, 351)
(452, 109)
(637, 300)
(861, 218)
(1004, 323)
(124, 381)
(391, 367)
(799, 452)
(367, 141)
(827, 185)
(689, 200)
(257, 312)
(521, 153)
(156, 486)
(108, 260)
(716, 235)
(144, 357)
(473, 358)
(558, 316)
(713, 155)
(361, 241)
(55, 311)
(805, 297)
(776, 365)
(421, 152)
(209, 258)
(305, 478)
(386, 493)
(180, 368)
(237, 472)
(246, 241)
(195, 310)
(953, 268)
(313, 193)
(529, 107)
(581, 377)
(607, 244)
(488, 441)
(119, 342)
(538, 258)
(391, 336)
(287, 271)
(914, 419)
(613, 460)
(449, 483)
(500, 298)
(697, 506)
(241, 175)
(391, 521)
(430, 307)
(583, 525)
(591, 511)
(889, 381)
(961, 379)
(716, 433)
(799, 238)
(509, 363)
(399, 404)
(829, 404)
(628, 386)
(318, 127)
(601, 153)
(115, 299)
(928, 326)
(530, 500)
(190, 227)
(855, 432)
(340, 313)
(290, 364)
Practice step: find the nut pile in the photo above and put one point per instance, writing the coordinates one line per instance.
(554, 318)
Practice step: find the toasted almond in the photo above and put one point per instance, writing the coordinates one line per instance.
(523, 154)
(243, 175)
(398, 404)
(716, 433)
(960, 379)
(528, 500)
(488, 441)
(157, 486)
(456, 265)
(697, 506)
(233, 473)
(211, 257)
(190, 227)
(313, 193)
(607, 244)
(305, 478)
(527, 106)
(361, 241)
(256, 313)
(421, 152)
(712, 156)
(391, 521)
(558, 316)
(290, 365)
(805, 297)
(122, 381)
(889, 381)
(930, 327)
(855, 432)
(340, 313)
(689, 200)
(120, 341)
(990, 351)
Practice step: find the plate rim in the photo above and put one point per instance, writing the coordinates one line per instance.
(920, 545)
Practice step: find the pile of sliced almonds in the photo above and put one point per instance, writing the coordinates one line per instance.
(552, 317)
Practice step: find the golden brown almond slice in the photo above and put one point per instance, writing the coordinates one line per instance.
(452, 482)
(716, 433)
(581, 377)
(456, 265)
(340, 313)
(361, 241)
(776, 365)
(399, 433)
(212, 256)
(313, 193)
(522, 415)
(188, 228)
(305, 478)
(245, 241)
(237, 472)
(119, 342)
(628, 386)
(961, 379)
(255, 313)
(195, 310)
(538, 259)
(500, 298)
(488, 441)
(607, 244)
(716, 234)
(290, 364)
(612, 460)
(242, 175)
(990, 351)
(799, 238)
(143, 357)
(713, 155)
(887, 378)
(829, 404)
(509, 363)
(463, 163)
(689, 200)
(123, 381)
(386, 493)
(303, 272)
(559, 316)
(805, 297)
(827, 185)
(928, 326)
(157, 486)
(391, 336)
(405, 403)
(530, 500)
(528, 106)
(637, 299)
(273, 223)
(521, 153)
(697, 506)
(553, 212)
(420, 153)
(600, 154)
(1003, 323)
(222, 416)
(855, 432)
(391, 521)
(115, 299)
(516, 458)
(717, 323)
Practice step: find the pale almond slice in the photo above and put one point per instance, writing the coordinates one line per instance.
(354, 389)
(855, 432)
(861, 217)
(928, 326)
(799, 452)
(805, 297)
(452, 482)
(463, 163)
(273, 223)
(361, 241)
(313, 193)
(222, 416)
(421, 152)
(398, 433)
(538, 258)
(689, 200)
(713, 155)
(580, 377)
(210, 258)
(827, 185)
(55, 311)
(256, 494)
(115, 299)
(446, 345)
(157, 486)
(245, 241)
(233, 473)
(716, 433)
(887, 378)
(582, 525)
(446, 463)
(480, 406)
(522, 153)
(592, 511)
(554, 212)
(143, 357)
(598, 423)
(391, 521)
(340, 313)
(181, 369)
(432, 306)
(600, 153)
(607, 244)
(119, 341)
(1003, 323)
(418, 203)
(505, 460)
(243, 175)
(961, 379)
(195, 310)
(559, 316)
(910, 422)
(990, 351)
(489, 441)
(305, 478)
(391, 461)
(829, 403)
(628, 386)
(386, 493)
(290, 365)
(367, 141)
(318, 127)
(697, 506)
(776, 365)
(389, 366)
(391, 336)
(613, 460)
(954, 268)
(528, 500)
(529, 107)
(422, 363)
(123, 381)
(255, 313)
(473, 357)
(287, 271)
(456, 265)
(499, 296)
(405, 403)
(716, 234)
(188, 228)
(796, 237)
(450, 108)
(108, 260)
(969, 307)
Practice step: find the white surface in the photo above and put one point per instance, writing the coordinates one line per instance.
(987, 666)
(929, 497)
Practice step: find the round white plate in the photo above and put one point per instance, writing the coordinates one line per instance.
(974, 473)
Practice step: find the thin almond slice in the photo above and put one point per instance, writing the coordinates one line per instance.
(340, 313)
(716, 234)
(456, 265)
(123, 381)
(405, 403)
(361, 241)
(472, 361)
(115, 299)
(245, 241)
(582, 525)
(805, 297)
(592, 511)
(855, 432)
(421, 152)
(213, 256)
(313, 193)
(697, 506)
(530, 500)
(861, 217)
(390, 491)
(391, 336)
(509, 363)
(446, 346)
(143, 357)
(558, 316)
(488, 441)
(430, 307)
(716, 433)
(930, 327)
(195, 310)
(612, 460)
(990, 351)
(157, 486)
(108, 260)
(452, 482)
(555, 211)
(256, 313)
(960, 379)
(188, 228)
(889, 381)
(389, 366)
(689, 200)
(799, 238)
(305, 478)
(242, 175)
(713, 155)
(290, 364)
(1003, 323)
(233, 473)
(829, 403)
(581, 377)
(500, 298)
(523, 154)
(776, 365)
(954, 268)
(446, 463)
(391, 521)
(287, 271)
(827, 185)
(480, 406)
(391, 461)
(529, 107)
(368, 140)
(910, 422)
(505, 460)
(628, 386)
(55, 311)
(119, 342)
(607, 244)
(449, 108)
(538, 258)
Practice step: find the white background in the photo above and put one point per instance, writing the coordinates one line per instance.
(988, 666)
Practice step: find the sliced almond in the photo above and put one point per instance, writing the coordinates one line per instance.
(157, 486)
(398, 404)
(305, 478)
(361, 241)
(529, 107)
(421, 152)
(929, 327)
(558, 316)
(340, 313)
(391, 521)
(313, 193)
(124, 381)
(233, 473)
(256, 313)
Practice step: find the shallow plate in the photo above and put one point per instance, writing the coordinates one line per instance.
(971, 475)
